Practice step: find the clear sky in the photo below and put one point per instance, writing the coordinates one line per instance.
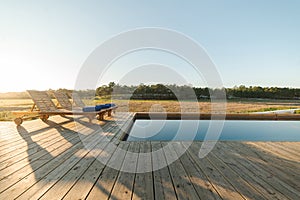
(43, 44)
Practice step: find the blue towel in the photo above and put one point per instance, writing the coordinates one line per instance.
(89, 109)
(110, 105)
(97, 107)
(107, 105)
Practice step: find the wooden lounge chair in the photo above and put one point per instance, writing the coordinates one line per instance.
(77, 100)
(65, 103)
(63, 100)
(46, 108)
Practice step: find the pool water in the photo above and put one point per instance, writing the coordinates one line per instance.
(180, 130)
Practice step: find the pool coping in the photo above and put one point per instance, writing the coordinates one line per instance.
(204, 116)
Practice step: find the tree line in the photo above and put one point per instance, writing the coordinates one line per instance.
(172, 92)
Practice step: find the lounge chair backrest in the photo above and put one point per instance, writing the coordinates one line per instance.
(63, 100)
(42, 100)
(77, 100)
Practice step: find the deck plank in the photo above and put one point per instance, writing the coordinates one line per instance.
(200, 182)
(48, 165)
(12, 175)
(292, 146)
(86, 182)
(49, 160)
(276, 185)
(63, 185)
(124, 184)
(60, 180)
(143, 184)
(270, 163)
(183, 186)
(281, 146)
(105, 183)
(32, 147)
(275, 151)
(233, 160)
(12, 136)
(247, 190)
(42, 153)
(163, 183)
(282, 150)
(223, 187)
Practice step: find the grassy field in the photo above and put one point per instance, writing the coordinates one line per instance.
(233, 106)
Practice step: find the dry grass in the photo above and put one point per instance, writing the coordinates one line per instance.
(8, 105)
(204, 107)
(15, 104)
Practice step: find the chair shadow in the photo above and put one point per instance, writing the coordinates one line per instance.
(44, 156)
(33, 159)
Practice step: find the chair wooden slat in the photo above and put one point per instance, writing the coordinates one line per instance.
(63, 100)
(42, 101)
(77, 100)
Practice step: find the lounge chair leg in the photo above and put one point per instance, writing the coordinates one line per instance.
(90, 118)
(100, 117)
(44, 118)
(18, 121)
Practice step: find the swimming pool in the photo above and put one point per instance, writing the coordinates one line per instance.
(242, 130)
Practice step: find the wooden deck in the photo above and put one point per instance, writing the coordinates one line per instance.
(50, 161)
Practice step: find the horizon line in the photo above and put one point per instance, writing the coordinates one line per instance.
(226, 87)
